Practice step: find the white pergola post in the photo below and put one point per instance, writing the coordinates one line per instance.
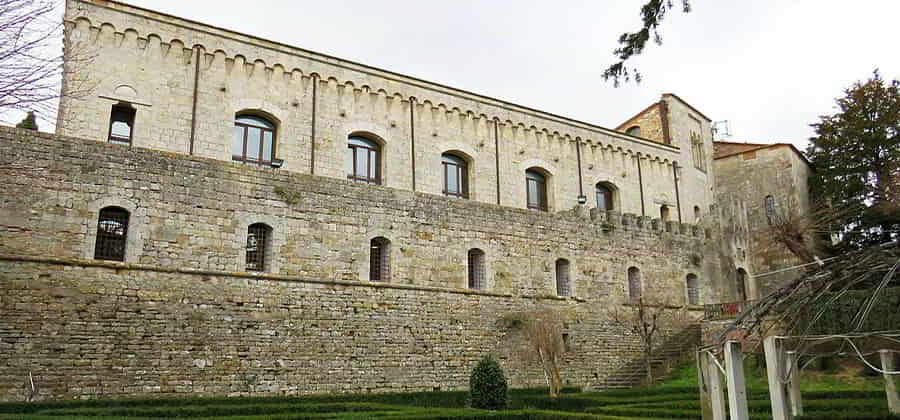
(734, 376)
(887, 365)
(778, 395)
(713, 395)
(794, 383)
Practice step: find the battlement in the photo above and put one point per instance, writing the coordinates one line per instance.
(194, 212)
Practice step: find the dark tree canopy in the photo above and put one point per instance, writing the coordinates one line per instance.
(29, 122)
(856, 155)
(631, 44)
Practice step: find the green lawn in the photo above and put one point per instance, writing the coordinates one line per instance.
(836, 396)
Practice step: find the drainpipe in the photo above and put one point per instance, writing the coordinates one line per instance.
(581, 198)
(412, 139)
(312, 132)
(641, 185)
(497, 155)
(677, 197)
(194, 99)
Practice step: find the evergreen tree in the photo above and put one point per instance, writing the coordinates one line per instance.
(856, 156)
(487, 385)
(29, 122)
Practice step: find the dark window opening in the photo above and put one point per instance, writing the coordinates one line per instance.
(380, 259)
(121, 124)
(363, 160)
(741, 285)
(634, 284)
(253, 140)
(259, 236)
(604, 197)
(476, 269)
(634, 131)
(563, 280)
(664, 213)
(693, 290)
(536, 190)
(455, 172)
(112, 234)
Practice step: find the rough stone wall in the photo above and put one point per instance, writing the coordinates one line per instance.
(179, 316)
(744, 181)
(154, 55)
(650, 121)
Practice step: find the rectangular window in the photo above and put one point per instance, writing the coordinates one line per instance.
(121, 124)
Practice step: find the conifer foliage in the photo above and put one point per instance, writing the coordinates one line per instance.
(29, 122)
(487, 385)
(856, 156)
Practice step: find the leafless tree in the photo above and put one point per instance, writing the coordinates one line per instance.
(542, 330)
(646, 317)
(30, 69)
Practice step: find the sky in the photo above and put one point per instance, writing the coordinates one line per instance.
(769, 68)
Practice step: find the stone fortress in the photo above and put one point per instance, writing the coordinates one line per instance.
(224, 215)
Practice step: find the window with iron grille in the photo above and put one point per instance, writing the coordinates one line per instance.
(634, 284)
(455, 171)
(112, 234)
(770, 208)
(121, 124)
(476, 269)
(563, 281)
(380, 259)
(258, 244)
(693, 290)
(536, 190)
(253, 140)
(363, 161)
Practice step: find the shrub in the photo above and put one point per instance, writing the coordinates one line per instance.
(487, 385)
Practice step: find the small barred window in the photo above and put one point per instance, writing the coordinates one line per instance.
(112, 234)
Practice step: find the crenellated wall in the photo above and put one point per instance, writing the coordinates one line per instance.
(181, 316)
(150, 60)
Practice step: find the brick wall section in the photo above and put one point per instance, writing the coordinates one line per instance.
(178, 316)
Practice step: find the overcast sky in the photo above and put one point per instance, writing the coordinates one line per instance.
(768, 67)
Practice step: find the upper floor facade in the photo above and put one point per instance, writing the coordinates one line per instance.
(141, 78)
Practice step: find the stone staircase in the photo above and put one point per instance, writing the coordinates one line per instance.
(678, 349)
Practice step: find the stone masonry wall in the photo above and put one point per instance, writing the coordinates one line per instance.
(744, 181)
(180, 316)
(150, 60)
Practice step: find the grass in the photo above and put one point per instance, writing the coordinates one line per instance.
(842, 394)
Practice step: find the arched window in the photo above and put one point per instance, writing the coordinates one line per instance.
(379, 259)
(664, 213)
(456, 176)
(563, 280)
(770, 208)
(121, 124)
(634, 130)
(693, 290)
(604, 197)
(536, 189)
(112, 234)
(259, 239)
(253, 140)
(363, 161)
(697, 214)
(741, 284)
(634, 284)
(476, 269)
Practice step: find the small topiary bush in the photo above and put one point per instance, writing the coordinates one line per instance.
(487, 385)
